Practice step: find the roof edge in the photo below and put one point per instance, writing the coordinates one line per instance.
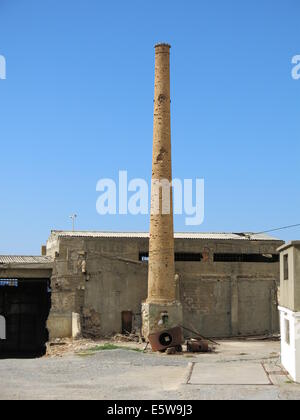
(178, 235)
(288, 245)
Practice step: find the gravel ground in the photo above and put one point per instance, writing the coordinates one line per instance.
(125, 374)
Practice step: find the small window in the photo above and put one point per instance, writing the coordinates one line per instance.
(179, 256)
(246, 258)
(144, 256)
(286, 266)
(188, 256)
(287, 331)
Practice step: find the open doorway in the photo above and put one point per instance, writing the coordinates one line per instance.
(127, 318)
(24, 310)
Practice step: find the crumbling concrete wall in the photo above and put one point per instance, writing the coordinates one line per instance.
(225, 299)
(99, 278)
(117, 287)
(67, 285)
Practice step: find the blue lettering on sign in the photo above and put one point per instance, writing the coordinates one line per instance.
(9, 283)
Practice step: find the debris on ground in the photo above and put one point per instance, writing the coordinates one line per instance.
(60, 347)
(128, 337)
(58, 342)
(198, 336)
(68, 346)
(199, 346)
(267, 337)
(168, 342)
(171, 350)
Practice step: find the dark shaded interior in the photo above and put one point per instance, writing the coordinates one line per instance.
(127, 317)
(251, 258)
(25, 307)
(179, 256)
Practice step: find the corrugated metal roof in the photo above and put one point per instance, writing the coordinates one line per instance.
(20, 259)
(178, 235)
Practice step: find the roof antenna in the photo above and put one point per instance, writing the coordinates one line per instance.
(73, 217)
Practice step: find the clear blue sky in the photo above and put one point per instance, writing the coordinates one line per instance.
(77, 106)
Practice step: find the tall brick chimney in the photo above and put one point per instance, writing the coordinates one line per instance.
(161, 310)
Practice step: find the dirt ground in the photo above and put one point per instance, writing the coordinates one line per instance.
(109, 370)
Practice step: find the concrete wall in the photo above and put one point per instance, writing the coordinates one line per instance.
(229, 298)
(297, 279)
(290, 342)
(290, 288)
(101, 277)
(287, 296)
(59, 325)
(26, 271)
(290, 308)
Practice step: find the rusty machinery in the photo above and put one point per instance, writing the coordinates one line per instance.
(172, 338)
(163, 340)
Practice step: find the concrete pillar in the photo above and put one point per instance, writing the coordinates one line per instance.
(76, 326)
(162, 309)
(234, 306)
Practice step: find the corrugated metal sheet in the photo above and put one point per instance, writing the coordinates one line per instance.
(178, 235)
(19, 259)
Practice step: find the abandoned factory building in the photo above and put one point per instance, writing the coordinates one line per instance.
(95, 283)
(227, 283)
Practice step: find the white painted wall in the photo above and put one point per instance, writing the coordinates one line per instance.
(290, 352)
(2, 328)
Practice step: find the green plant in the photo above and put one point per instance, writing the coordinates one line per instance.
(107, 346)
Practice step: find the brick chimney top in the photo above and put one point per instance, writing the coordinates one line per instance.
(162, 44)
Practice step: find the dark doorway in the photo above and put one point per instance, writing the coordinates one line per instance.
(25, 306)
(127, 317)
